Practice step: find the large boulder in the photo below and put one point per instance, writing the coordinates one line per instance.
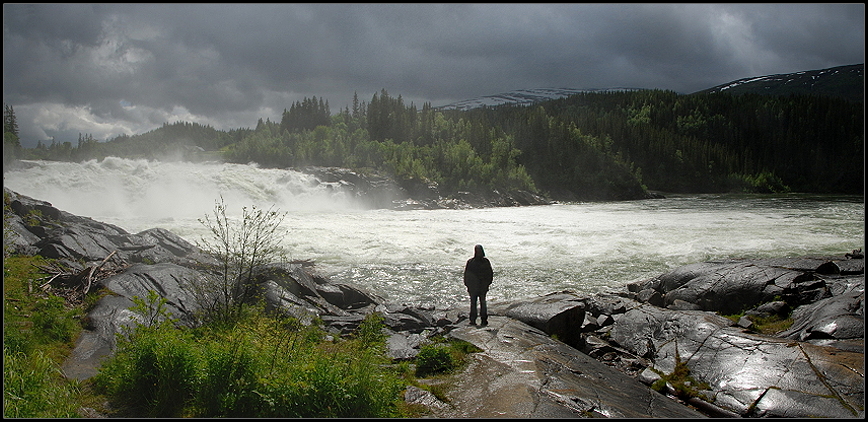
(297, 290)
(557, 314)
(734, 286)
(170, 281)
(112, 313)
(837, 317)
(728, 287)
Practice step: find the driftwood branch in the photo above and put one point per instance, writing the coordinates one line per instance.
(95, 269)
(47, 283)
(75, 284)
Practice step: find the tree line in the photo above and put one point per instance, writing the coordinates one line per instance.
(721, 142)
(609, 145)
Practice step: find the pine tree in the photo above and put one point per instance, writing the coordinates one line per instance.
(10, 123)
(11, 142)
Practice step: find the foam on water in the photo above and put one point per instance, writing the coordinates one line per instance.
(418, 256)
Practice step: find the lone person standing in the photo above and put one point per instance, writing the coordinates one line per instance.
(477, 277)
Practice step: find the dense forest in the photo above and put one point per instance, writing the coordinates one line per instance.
(594, 146)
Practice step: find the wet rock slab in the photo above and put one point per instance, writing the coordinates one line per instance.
(524, 373)
(751, 375)
(112, 312)
(813, 369)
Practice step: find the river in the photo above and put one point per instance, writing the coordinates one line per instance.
(418, 256)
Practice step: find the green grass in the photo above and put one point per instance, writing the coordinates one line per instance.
(33, 387)
(262, 366)
(38, 333)
(769, 325)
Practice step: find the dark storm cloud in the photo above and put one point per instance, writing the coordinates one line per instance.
(108, 69)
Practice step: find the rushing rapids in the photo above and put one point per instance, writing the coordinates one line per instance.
(417, 255)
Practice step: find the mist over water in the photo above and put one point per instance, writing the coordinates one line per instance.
(418, 256)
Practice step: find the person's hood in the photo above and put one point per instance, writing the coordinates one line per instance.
(478, 252)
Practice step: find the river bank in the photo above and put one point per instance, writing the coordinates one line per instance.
(643, 330)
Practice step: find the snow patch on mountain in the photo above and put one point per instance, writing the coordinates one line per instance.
(524, 97)
(805, 79)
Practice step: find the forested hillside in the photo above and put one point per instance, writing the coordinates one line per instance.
(591, 146)
(708, 142)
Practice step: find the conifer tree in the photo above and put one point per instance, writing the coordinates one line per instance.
(11, 142)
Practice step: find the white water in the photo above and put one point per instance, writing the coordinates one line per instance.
(418, 256)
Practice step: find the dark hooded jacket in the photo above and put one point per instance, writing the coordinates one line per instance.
(478, 273)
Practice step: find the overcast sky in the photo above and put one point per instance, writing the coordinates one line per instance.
(107, 69)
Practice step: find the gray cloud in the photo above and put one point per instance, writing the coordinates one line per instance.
(108, 69)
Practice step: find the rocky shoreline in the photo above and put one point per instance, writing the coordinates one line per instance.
(379, 191)
(559, 355)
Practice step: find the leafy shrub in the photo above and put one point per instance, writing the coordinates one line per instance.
(239, 249)
(228, 380)
(434, 359)
(261, 366)
(153, 371)
(370, 331)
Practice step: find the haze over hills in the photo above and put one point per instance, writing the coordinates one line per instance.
(846, 82)
(524, 97)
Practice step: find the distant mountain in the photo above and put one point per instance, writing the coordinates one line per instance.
(524, 97)
(846, 82)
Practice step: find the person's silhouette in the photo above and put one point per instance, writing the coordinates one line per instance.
(478, 275)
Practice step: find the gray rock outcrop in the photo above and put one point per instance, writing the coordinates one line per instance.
(556, 314)
(40, 228)
(748, 374)
(288, 288)
(815, 368)
(523, 373)
(733, 286)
